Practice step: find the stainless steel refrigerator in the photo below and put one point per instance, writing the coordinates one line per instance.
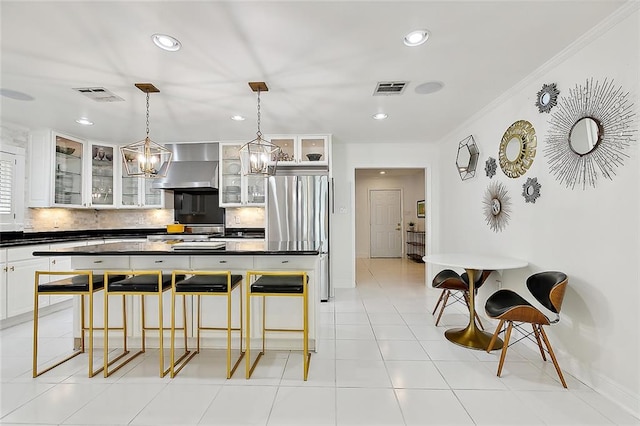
(297, 209)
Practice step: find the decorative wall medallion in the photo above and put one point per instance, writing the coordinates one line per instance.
(517, 149)
(467, 158)
(490, 167)
(547, 97)
(497, 206)
(531, 190)
(589, 132)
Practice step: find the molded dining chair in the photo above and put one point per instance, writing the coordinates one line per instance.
(508, 306)
(457, 287)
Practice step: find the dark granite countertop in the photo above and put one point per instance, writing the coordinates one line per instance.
(13, 239)
(296, 248)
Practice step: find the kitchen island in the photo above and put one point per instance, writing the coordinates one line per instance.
(238, 257)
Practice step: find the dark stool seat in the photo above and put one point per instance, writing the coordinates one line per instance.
(278, 284)
(77, 283)
(141, 283)
(70, 283)
(206, 283)
(265, 284)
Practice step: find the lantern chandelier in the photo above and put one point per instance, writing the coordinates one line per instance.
(259, 156)
(146, 158)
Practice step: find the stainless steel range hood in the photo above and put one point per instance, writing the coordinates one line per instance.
(194, 166)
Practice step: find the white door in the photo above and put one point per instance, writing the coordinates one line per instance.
(386, 223)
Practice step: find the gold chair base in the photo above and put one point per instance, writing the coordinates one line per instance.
(471, 337)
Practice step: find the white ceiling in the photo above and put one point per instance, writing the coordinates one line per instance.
(320, 59)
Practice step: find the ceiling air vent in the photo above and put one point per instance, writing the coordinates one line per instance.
(390, 87)
(99, 94)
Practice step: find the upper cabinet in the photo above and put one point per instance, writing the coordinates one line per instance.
(65, 171)
(136, 192)
(236, 189)
(102, 175)
(305, 150)
(57, 170)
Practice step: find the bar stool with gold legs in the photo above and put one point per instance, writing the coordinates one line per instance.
(277, 284)
(75, 283)
(140, 283)
(205, 283)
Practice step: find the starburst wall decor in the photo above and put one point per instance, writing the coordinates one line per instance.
(497, 206)
(589, 133)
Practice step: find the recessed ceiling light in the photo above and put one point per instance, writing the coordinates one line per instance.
(14, 94)
(166, 42)
(84, 121)
(416, 38)
(429, 87)
(237, 118)
(382, 172)
(380, 116)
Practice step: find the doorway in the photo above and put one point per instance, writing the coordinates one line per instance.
(385, 223)
(412, 184)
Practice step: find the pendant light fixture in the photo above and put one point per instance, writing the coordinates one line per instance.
(146, 158)
(259, 156)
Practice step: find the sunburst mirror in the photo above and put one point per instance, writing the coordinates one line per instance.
(517, 149)
(496, 206)
(547, 97)
(531, 190)
(589, 133)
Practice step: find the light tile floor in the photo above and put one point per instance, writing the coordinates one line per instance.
(381, 362)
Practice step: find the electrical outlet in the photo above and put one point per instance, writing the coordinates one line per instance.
(236, 219)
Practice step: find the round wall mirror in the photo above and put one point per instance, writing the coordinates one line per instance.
(517, 149)
(585, 135)
(547, 97)
(513, 149)
(495, 207)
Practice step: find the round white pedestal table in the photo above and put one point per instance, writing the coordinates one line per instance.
(471, 336)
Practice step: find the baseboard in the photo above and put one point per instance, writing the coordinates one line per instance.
(28, 316)
(620, 396)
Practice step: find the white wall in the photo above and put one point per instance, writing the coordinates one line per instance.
(347, 157)
(412, 189)
(592, 235)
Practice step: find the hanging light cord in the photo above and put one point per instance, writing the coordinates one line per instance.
(148, 115)
(259, 133)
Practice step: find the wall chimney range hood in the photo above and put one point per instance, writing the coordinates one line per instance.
(194, 166)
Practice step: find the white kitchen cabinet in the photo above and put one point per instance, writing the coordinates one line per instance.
(57, 170)
(102, 173)
(3, 283)
(19, 271)
(306, 150)
(65, 171)
(137, 193)
(236, 189)
(18, 275)
(12, 161)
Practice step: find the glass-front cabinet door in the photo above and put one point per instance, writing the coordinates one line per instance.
(69, 172)
(313, 149)
(287, 146)
(151, 197)
(137, 192)
(102, 175)
(236, 189)
(230, 175)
